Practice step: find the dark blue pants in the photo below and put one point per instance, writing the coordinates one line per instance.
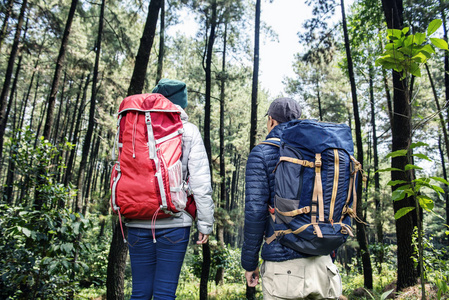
(156, 266)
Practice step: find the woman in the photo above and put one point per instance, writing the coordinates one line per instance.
(156, 265)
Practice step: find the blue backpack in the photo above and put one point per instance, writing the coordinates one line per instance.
(316, 179)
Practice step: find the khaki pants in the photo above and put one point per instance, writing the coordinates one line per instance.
(303, 278)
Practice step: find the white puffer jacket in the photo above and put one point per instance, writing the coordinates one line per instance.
(194, 159)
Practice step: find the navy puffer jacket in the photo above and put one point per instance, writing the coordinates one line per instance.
(259, 193)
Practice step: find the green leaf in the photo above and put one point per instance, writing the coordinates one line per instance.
(389, 170)
(397, 153)
(405, 30)
(433, 26)
(420, 38)
(420, 58)
(394, 33)
(386, 294)
(409, 40)
(396, 182)
(440, 43)
(415, 70)
(402, 212)
(425, 202)
(442, 180)
(420, 155)
(398, 195)
(418, 144)
(436, 188)
(412, 167)
(428, 49)
(26, 231)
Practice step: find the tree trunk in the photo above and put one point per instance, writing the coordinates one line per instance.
(446, 188)
(446, 64)
(160, 58)
(8, 11)
(208, 71)
(118, 252)
(318, 95)
(143, 54)
(38, 199)
(440, 112)
(361, 231)
(13, 152)
(401, 139)
(57, 76)
(91, 121)
(8, 76)
(253, 130)
(220, 271)
(71, 161)
(377, 196)
(205, 269)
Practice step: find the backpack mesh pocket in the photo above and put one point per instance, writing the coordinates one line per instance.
(178, 195)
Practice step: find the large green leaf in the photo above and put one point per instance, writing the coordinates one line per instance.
(440, 43)
(418, 144)
(396, 182)
(398, 195)
(409, 40)
(420, 38)
(420, 58)
(425, 202)
(402, 212)
(397, 153)
(415, 70)
(423, 156)
(389, 170)
(442, 180)
(412, 167)
(433, 26)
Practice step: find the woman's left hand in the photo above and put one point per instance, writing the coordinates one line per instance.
(202, 238)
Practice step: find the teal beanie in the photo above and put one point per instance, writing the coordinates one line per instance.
(174, 90)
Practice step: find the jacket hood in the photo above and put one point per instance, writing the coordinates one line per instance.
(184, 116)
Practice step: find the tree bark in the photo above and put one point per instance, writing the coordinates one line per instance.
(440, 113)
(143, 55)
(8, 76)
(208, 71)
(377, 197)
(361, 231)
(76, 130)
(401, 139)
(160, 58)
(91, 121)
(5, 22)
(253, 130)
(57, 75)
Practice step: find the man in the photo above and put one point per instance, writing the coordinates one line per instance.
(286, 273)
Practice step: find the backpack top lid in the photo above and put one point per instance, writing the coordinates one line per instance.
(147, 102)
(317, 136)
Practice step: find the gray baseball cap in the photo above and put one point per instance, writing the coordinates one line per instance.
(284, 110)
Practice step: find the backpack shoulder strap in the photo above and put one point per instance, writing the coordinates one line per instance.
(272, 141)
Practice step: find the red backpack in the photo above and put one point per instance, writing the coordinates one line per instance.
(146, 181)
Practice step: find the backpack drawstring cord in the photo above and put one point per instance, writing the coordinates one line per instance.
(153, 224)
(121, 226)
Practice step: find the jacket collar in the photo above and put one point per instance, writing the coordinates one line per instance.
(276, 132)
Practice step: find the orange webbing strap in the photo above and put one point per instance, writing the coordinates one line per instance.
(335, 185)
(272, 144)
(270, 239)
(301, 162)
(345, 229)
(292, 213)
(317, 198)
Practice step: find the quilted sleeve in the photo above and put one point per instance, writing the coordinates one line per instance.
(257, 196)
(200, 183)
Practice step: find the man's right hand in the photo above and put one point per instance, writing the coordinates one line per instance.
(252, 277)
